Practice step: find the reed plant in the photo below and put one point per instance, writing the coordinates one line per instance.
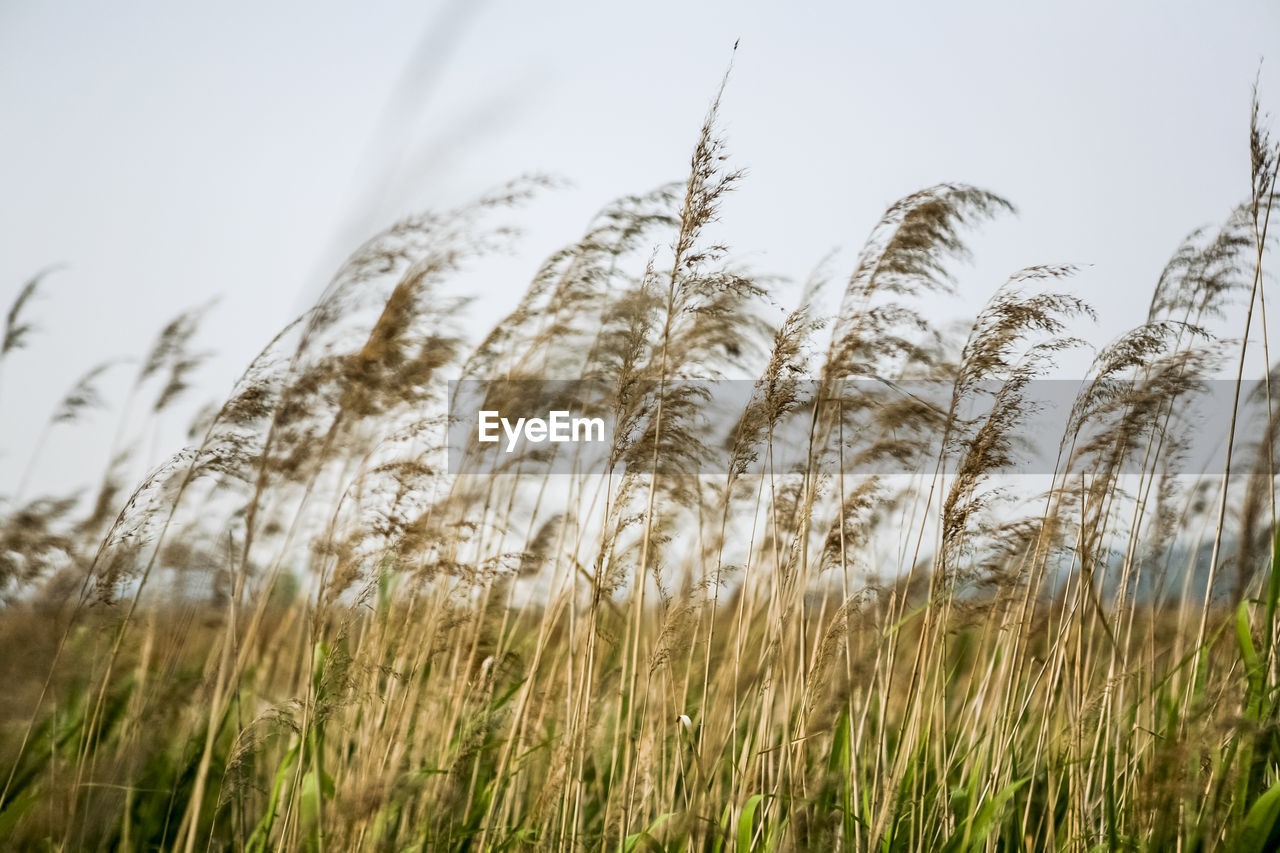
(311, 630)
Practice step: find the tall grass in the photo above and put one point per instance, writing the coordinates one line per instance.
(307, 631)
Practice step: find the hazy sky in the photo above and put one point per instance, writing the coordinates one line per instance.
(166, 155)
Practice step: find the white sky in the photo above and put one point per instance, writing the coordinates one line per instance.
(166, 154)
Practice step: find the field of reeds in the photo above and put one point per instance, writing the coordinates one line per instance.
(311, 629)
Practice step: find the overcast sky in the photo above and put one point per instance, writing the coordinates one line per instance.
(166, 154)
